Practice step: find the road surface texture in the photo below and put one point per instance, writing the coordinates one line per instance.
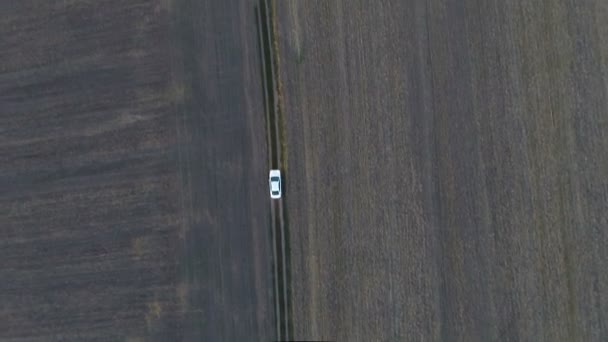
(447, 170)
(133, 172)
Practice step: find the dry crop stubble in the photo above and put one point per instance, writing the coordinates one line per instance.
(447, 168)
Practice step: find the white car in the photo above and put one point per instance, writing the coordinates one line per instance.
(275, 183)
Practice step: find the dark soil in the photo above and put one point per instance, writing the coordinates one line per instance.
(133, 165)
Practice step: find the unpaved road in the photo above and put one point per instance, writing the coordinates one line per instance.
(447, 169)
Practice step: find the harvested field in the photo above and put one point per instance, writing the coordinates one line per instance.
(447, 169)
(133, 164)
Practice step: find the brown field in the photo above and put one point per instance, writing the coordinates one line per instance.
(133, 199)
(447, 170)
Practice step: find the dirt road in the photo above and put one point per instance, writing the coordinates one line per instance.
(446, 168)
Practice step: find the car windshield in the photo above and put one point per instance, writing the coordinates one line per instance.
(274, 179)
